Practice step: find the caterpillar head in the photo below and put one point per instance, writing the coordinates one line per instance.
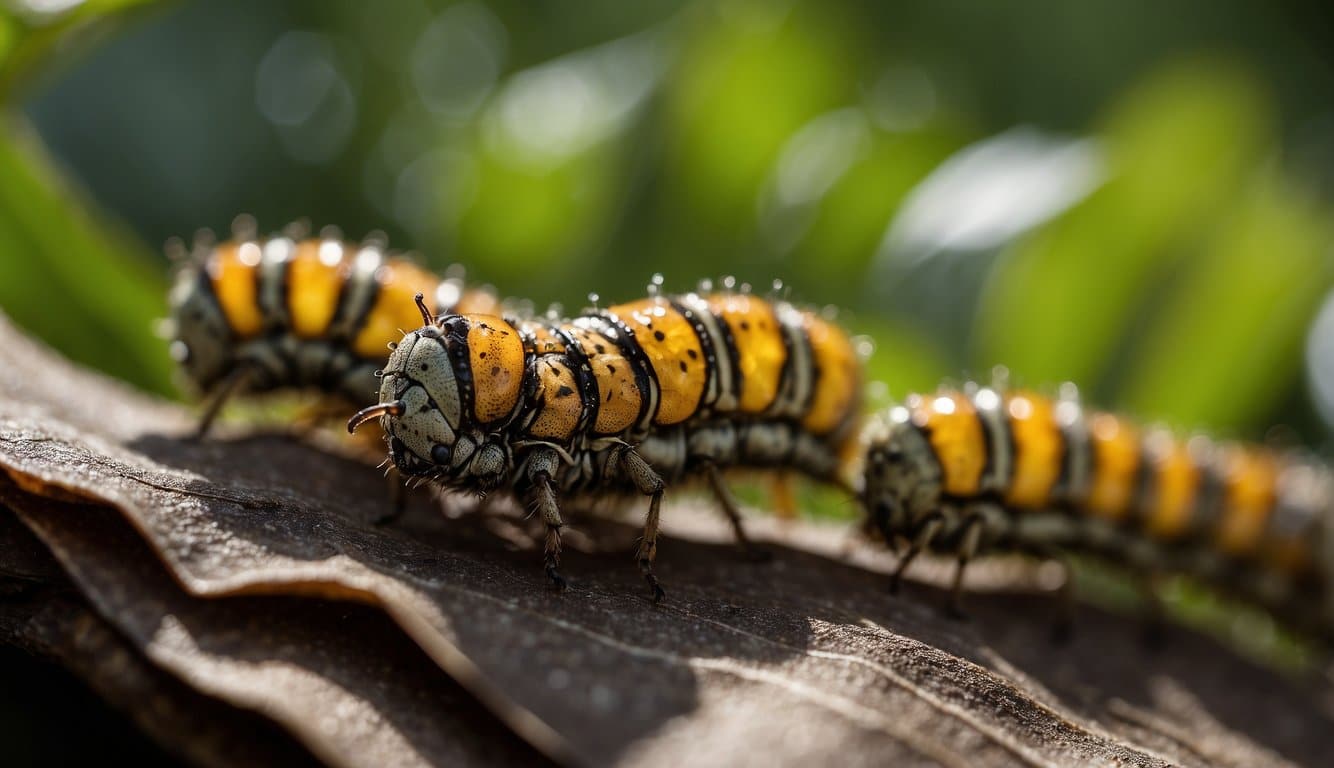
(446, 394)
(902, 478)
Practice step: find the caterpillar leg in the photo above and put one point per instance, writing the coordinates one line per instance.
(650, 484)
(878, 525)
(969, 541)
(544, 497)
(927, 530)
(234, 383)
(729, 505)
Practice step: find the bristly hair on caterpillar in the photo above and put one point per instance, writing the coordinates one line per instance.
(978, 469)
(634, 396)
(254, 314)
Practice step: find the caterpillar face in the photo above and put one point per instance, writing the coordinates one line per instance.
(446, 391)
(781, 382)
(903, 478)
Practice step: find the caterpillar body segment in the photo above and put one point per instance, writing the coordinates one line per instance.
(254, 315)
(981, 469)
(637, 397)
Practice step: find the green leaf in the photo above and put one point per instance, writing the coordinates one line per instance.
(84, 286)
(29, 41)
(852, 217)
(9, 34)
(1177, 149)
(1230, 338)
(747, 81)
(521, 220)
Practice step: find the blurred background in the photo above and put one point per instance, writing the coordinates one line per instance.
(1135, 196)
(1130, 196)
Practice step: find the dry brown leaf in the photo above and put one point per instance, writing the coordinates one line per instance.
(41, 613)
(801, 659)
(338, 676)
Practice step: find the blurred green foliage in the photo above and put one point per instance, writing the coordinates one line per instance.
(1176, 149)
(1183, 286)
(1126, 195)
(33, 34)
(560, 152)
(81, 283)
(78, 280)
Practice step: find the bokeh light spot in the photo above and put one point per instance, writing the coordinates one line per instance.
(302, 90)
(457, 59)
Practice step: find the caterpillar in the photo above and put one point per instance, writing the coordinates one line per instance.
(630, 398)
(255, 315)
(980, 469)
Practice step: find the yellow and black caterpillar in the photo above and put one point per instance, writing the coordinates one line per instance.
(979, 469)
(255, 315)
(644, 394)
(632, 397)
